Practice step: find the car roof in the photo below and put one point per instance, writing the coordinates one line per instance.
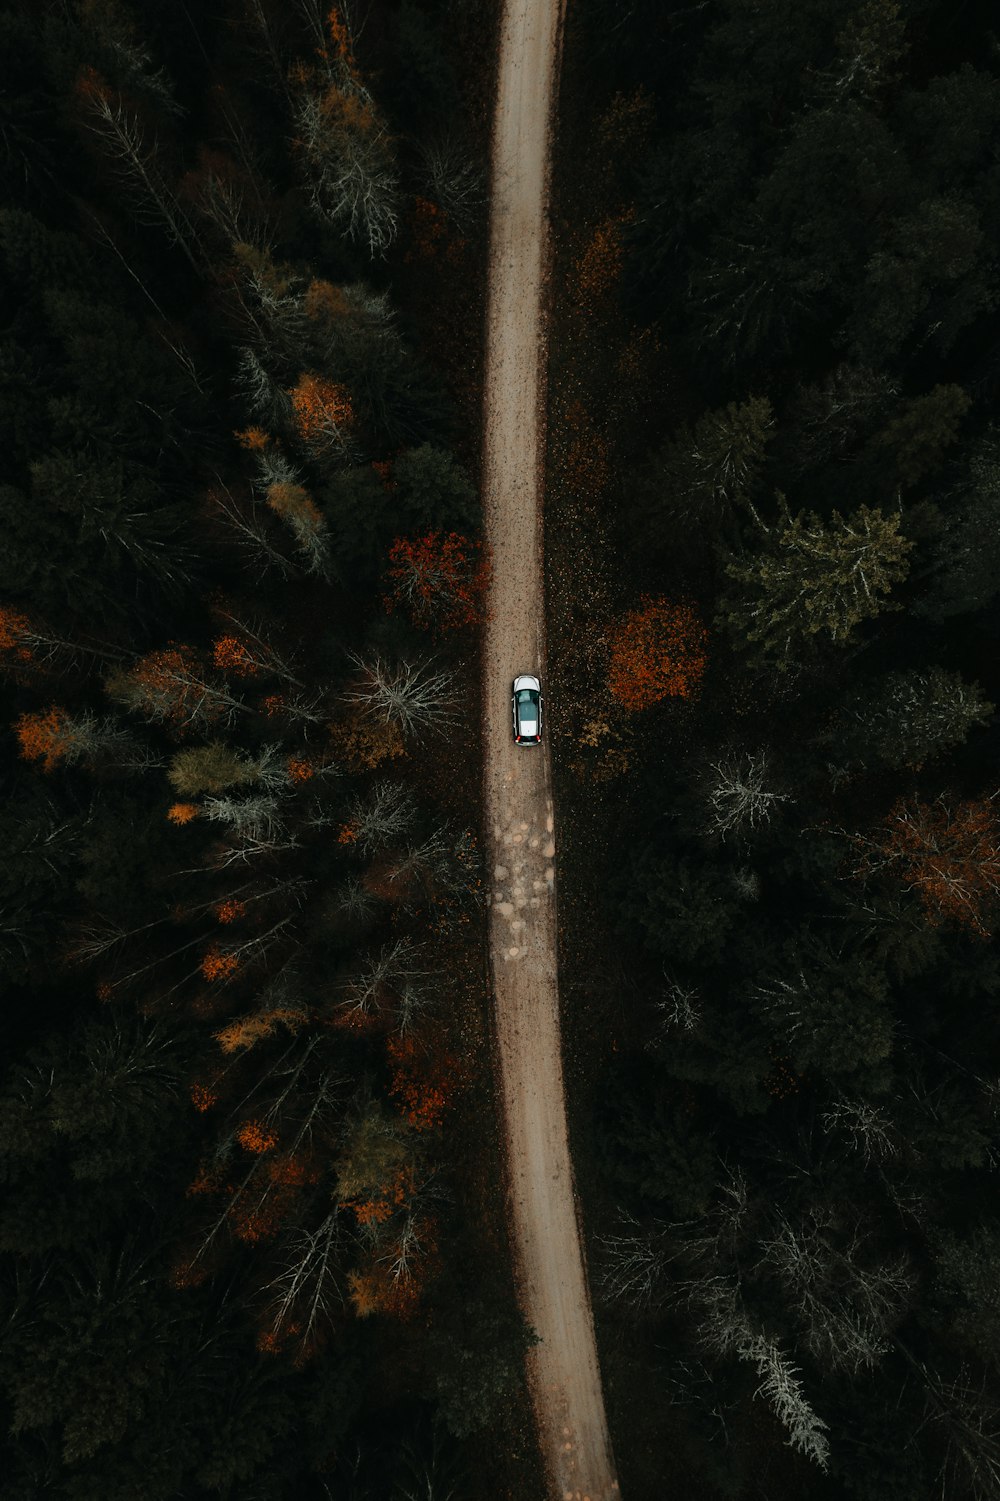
(526, 681)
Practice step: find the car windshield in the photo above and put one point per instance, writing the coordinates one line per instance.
(525, 696)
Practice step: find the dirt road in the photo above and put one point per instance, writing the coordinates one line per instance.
(563, 1371)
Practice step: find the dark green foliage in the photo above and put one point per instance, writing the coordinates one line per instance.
(918, 437)
(830, 1011)
(967, 1285)
(42, 845)
(478, 1361)
(433, 491)
(965, 565)
(425, 88)
(905, 718)
(813, 583)
(653, 1145)
(681, 907)
(172, 886)
(815, 225)
(702, 475)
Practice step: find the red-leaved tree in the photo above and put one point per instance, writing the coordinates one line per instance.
(657, 651)
(948, 854)
(440, 579)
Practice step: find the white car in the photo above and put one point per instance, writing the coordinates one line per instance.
(526, 705)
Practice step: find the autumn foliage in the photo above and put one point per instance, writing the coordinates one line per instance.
(219, 966)
(255, 1138)
(231, 654)
(246, 1031)
(322, 410)
(257, 1213)
(600, 266)
(658, 651)
(440, 579)
(168, 685)
(423, 1079)
(378, 1205)
(258, 1206)
(15, 629)
(373, 1289)
(950, 856)
(44, 736)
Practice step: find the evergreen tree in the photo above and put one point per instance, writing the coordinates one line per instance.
(905, 718)
(703, 472)
(814, 579)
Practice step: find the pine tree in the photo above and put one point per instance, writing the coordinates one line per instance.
(704, 472)
(905, 718)
(815, 579)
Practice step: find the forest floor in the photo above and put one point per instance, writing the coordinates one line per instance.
(562, 1366)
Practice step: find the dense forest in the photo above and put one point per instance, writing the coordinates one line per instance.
(779, 309)
(248, 1240)
(251, 1236)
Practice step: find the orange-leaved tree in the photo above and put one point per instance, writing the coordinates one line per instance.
(15, 636)
(171, 686)
(424, 1075)
(44, 737)
(657, 651)
(440, 579)
(948, 853)
(322, 412)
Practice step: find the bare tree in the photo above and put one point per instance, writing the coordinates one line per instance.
(415, 996)
(300, 1103)
(383, 815)
(966, 1410)
(253, 947)
(725, 1327)
(130, 61)
(246, 847)
(680, 1008)
(101, 741)
(257, 653)
(848, 1303)
(636, 1263)
(250, 532)
(453, 178)
(352, 177)
(137, 162)
(257, 818)
(410, 695)
(353, 901)
(314, 14)
(307, 525)
(417, 872)
(306, 1291)
(262, 24)
(868, 1129)
(382, 976)
(268, 400)
(172, 686)
(235, 212)
(738, 797)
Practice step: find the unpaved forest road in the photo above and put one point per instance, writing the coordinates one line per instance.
(562, 1369)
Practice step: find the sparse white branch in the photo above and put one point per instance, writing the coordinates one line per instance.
(411, 695)
(137, 162)
(383, 815)
(867, 1128)
(738, 796)
(388, 971)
